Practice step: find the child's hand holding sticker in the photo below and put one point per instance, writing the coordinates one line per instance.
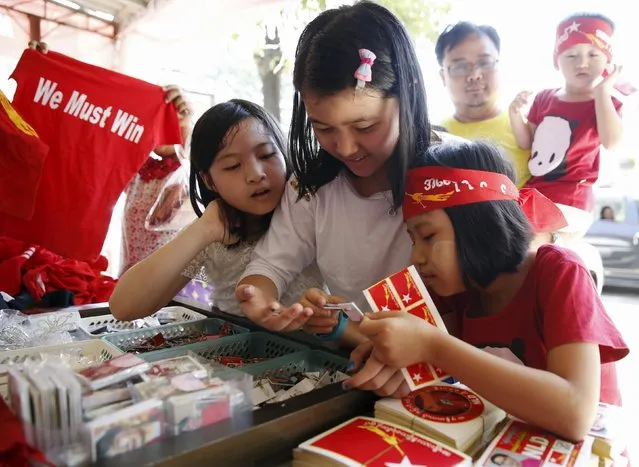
(370, 374)
(400, 339)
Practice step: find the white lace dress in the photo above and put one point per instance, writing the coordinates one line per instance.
(222, 268)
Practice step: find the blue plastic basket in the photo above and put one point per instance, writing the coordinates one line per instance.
(248, 345)
(128, 340)
(301, 362)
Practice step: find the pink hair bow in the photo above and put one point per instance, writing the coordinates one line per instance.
(364, 72)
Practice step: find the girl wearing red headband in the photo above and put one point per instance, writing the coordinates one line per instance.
(548, 343)
(565, 127)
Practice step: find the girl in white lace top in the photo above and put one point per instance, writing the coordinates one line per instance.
(238, 173)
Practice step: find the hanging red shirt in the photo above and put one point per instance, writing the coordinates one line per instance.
(556, 305)
(21, 149)
(100, 127)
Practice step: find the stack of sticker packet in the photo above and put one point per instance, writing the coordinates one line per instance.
(450, 413)
(121, 404)
(525, 445)
(370, 442)
(364, 441)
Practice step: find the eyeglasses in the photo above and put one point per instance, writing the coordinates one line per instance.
(485, 65)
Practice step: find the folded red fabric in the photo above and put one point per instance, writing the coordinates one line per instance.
(41, 271)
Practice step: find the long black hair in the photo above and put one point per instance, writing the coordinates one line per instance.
(327, 56)
(213, 130)
(492, 237)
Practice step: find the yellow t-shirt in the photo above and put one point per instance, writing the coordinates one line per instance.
(497, 130)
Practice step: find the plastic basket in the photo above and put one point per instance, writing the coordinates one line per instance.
(185, 315)
(95, 349)
(301, 362)
(126, 341)
(248, 345)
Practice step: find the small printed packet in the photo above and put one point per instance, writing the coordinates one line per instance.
(304, 386)
(164, 387)
(104, 397)
(350, 309)
(188, 411)
(113, 371)
(127, 429)
(42, 395)
(107, 409)
(176, 366)
(20, 396)
(262, 392)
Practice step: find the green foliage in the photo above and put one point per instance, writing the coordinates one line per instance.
(422, 18)
(314, 5)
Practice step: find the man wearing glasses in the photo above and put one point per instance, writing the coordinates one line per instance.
(468, 55)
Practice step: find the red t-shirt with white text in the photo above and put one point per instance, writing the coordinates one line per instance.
(564, 158)
(100, 127)
(557, 304)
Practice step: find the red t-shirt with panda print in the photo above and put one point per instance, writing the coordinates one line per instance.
(564, 158)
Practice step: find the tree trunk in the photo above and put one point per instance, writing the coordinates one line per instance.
(271, 84)
(268, 61)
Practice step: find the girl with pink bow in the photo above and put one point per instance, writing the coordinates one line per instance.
(359, 116)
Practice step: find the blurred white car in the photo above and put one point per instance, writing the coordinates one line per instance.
(617, 239)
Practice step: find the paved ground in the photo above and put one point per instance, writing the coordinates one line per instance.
(623, 307)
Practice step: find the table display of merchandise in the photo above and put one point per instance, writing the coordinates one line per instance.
(118, 405)
(114, 379)
(195, 385)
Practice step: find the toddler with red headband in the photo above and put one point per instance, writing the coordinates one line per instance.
(528, 330)
(566, 126)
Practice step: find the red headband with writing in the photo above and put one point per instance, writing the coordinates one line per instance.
(431, 188)
(586, 30)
